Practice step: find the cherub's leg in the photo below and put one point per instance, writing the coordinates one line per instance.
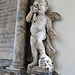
(39, 37)
(34, 53)
(40, 46)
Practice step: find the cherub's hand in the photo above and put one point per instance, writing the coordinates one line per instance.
(33, 9)
(52, 33)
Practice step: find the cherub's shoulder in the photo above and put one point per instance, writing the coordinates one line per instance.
(48, 18)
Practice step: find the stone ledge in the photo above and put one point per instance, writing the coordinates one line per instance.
(5, 62)
(17, 72)
(12, 72)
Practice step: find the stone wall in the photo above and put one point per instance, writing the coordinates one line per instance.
(7, 27)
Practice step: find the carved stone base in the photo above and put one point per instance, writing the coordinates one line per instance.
(13, 71)
(16, 66)
(9, 73)
(23, 72)
(38, 70)
(12, 67)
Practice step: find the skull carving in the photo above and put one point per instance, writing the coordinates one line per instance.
(45, 62)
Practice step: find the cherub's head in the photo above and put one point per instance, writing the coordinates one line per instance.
(42, 5)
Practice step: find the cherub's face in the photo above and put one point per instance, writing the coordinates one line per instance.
(42, 6)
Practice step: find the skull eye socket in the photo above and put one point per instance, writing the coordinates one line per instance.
(37, 5)
(42, 62)
(47, 61)
(42, 58)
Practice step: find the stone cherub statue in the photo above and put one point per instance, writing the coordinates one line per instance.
(41, 32)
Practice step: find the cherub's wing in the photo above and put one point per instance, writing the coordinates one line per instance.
(54, 16)
(50, 51)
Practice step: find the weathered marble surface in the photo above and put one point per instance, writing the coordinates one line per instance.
(7, 27)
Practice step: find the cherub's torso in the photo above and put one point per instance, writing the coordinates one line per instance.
(39, 25)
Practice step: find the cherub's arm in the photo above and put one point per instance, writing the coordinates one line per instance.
(50, 30)
(29, 16)
(33, 11)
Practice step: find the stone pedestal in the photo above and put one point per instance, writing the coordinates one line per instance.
(20, 34)
(23, 72)
(39, 71)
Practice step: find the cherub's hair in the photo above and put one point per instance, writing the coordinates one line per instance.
(41, 1)
(46, 2)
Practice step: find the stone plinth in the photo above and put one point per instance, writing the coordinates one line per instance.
(23, 72)
(40, 71)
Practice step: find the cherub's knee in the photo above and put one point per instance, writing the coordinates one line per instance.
(37, 40)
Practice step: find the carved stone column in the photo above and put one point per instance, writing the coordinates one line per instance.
(20, 33)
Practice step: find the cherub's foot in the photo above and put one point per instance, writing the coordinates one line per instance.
(31, 65)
